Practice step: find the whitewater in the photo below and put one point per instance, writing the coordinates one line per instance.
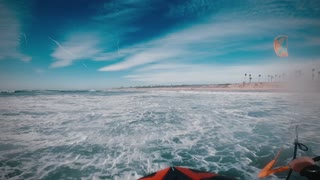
(128, 134)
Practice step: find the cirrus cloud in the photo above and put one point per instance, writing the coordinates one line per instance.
(78, 47)
(11, 36)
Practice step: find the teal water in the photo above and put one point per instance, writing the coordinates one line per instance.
(125, 135)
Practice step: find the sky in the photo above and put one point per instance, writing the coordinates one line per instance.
(95, 44)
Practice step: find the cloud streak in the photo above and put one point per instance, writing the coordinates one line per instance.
(64, 49)
(10, 36)
(145, 57)
(78, 47)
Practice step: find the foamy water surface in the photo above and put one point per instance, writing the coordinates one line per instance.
(125, 135)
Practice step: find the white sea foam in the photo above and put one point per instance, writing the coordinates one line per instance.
(98, 135)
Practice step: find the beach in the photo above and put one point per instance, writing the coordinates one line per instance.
(239, 87)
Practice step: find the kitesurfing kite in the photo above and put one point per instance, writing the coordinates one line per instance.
(280, 46)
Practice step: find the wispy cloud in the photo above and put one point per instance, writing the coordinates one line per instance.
(210, 40)
(103, 46)
(24, 38)
(39, 71)
(118, 53)
(61, 47)
(75, 48)
(123, 10)
(145, 57)
(193, 8)
(118, 16)
(10, 35)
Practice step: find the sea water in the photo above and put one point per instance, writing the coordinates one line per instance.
(126, 134)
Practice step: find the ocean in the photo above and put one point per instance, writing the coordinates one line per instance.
(127, 134)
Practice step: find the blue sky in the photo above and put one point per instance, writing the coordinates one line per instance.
(80, 44)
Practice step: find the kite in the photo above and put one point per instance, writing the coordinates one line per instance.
(281, 46)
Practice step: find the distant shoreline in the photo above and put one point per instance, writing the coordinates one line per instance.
(236, 87)
(261, 87)
(286, 87)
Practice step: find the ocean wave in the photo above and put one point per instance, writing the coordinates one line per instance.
(127, 135)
